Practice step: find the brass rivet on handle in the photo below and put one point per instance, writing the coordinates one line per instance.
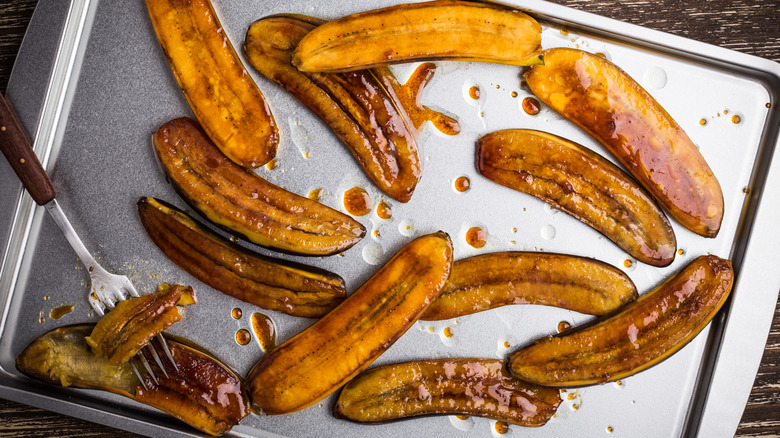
(2, 128)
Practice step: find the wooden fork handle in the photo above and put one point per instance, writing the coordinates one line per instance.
(20, 155)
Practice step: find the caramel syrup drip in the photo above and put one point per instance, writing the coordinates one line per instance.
(409, 98)
(59, 312)
(265, 331)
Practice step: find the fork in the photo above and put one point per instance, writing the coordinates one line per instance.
(107, 289)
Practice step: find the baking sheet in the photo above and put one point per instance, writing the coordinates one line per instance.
(122, 90)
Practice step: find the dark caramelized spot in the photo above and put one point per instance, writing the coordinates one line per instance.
(476, 237)
(243, 337)
(384, 211)
(462, 184)
(357, 201)
(237, 313)
(563, 326)
(474, 92)
(531, 106)
(409, 96)
(59, 312)
(265, 331)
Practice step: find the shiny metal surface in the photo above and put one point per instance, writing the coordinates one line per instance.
(120, 89)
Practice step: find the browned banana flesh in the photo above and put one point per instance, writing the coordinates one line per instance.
(454, 30)
(479, 387)
(123, 331)
(585, 185)
(359, 109)
(497, 279)
(320, 359)
(607, 103)
(265, 282)
(242, 202)
(203, 393)
(221, 94)
(642, 334)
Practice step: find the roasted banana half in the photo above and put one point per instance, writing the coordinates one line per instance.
(245, 204)
(585, 185)
(607, 103)
(222, 95)
(641, 335)
(453, 30)
(358, 106)
(265, 282)
(497, 279)
(479, 387)
(320, 359)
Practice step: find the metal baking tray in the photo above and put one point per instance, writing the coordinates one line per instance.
(92, 97)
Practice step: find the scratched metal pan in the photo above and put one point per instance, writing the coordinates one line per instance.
(92, 97)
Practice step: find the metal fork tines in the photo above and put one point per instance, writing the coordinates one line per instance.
(107, 290)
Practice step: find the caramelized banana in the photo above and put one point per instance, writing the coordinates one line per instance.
(607, 103)
(203, 393)
(221, 94)
(123, 331)
(357, 106)
(265, 282)
(240, 201)
(641, 335)
(479, 387)
(320, 359)
(455, 30)
(578, 181)
(498, 279)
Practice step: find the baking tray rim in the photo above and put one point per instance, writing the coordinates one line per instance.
(758, 210)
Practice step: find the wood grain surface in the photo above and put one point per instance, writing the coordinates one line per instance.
(749, 26)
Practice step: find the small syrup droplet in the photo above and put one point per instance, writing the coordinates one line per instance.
(735, 119)
(563, 326)
(265, 331)
(609, 429)
(243, 337)
(462, 184)
(501, 427)
(476, 237)
(680, 251)
(462, 417)
(384, 211)
(702, 122)
(531, 106)
(474, 92)
(768, 105)
(271, 165)
(506, 344)
(315, 194)
(357, 201)
(514, 94)
(447, 332)
(59, 312)
(237, 313)
(628, 263)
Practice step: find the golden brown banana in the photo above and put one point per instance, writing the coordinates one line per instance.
(317, 361)
(578, 181)
(242, 202)
(266, 282)
(479, 387)
(454, 30)
(360, 109)
(497, 279)
(222, 95)
(607, 103)
(641, 335)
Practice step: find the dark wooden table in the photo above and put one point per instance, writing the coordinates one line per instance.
(750, 26)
